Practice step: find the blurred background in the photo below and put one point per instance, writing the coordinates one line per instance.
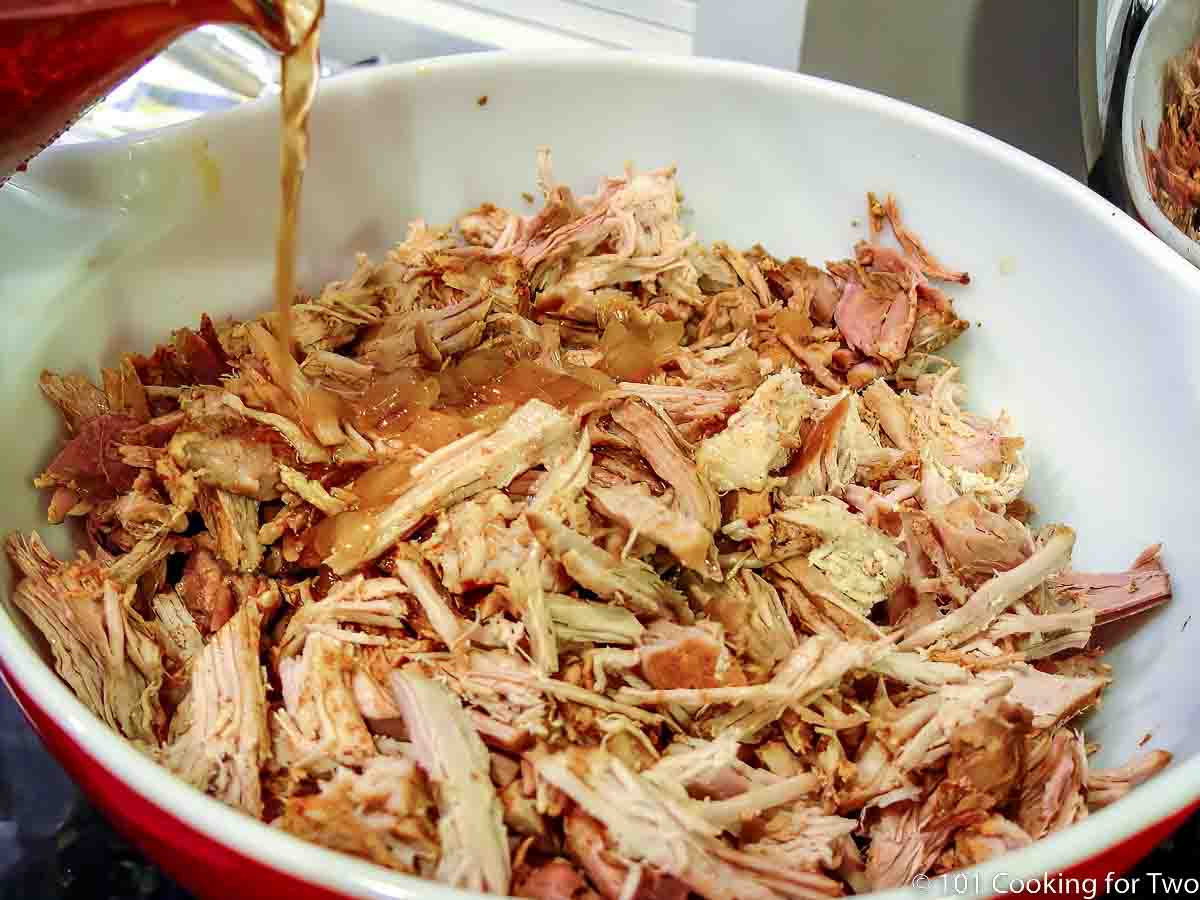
(1031, 72)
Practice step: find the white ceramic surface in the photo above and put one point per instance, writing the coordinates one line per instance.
(1172, 28)
(1088, 337)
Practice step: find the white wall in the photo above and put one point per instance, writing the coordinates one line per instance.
(1007, 67)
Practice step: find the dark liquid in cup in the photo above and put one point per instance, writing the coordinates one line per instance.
(59, 58)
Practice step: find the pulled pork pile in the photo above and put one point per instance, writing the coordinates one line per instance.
(1173, 170)
(575, 558)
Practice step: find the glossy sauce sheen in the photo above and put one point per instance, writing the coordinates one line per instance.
(428, 410)
(432, 409)
(633, 349)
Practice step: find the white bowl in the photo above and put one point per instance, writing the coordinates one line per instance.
(1088, 336)
(1171, 28)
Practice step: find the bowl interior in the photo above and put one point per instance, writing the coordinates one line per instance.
(1171, 29)
(1086, 331)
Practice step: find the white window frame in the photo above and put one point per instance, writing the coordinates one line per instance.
(768, 32)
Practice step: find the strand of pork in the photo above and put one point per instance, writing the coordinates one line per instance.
(578, 559)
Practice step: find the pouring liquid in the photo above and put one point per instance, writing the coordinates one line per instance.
(320, 410)
(300, 71)
(58, 57)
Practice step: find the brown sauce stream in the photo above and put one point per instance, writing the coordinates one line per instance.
(319, 409)
(301, 67)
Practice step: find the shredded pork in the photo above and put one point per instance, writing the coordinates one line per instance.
(580, 560)
(1173, 167)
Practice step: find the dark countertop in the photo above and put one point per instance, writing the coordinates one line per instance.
(53, 844)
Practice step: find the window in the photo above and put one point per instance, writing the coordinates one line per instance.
(763, 31)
